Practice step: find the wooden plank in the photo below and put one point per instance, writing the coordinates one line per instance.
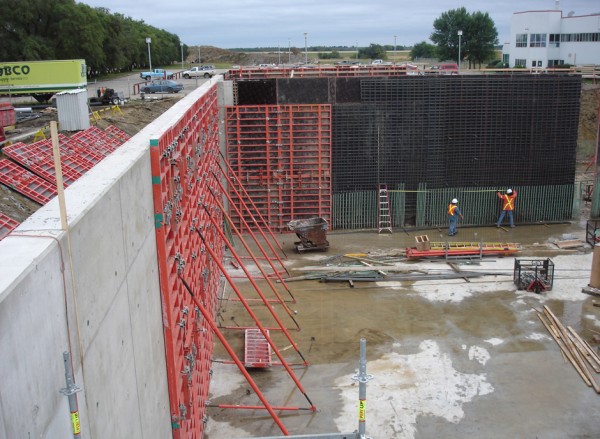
(564, 349)
(571, 346)
(572, 243)
(591, 359)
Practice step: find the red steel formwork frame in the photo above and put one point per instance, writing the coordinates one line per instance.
(7, 225)
(282, 156)
(180, 160)
(25, 182)
(317, 72)
(33, 173)
(190, 245)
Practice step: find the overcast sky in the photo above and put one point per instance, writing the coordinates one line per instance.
(262, 23)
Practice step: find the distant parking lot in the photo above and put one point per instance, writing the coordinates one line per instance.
(127, 85)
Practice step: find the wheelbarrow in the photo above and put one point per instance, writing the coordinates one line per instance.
(312, 233)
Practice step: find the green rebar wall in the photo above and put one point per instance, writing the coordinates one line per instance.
(354, 210)
(595, 213)
(481, 206)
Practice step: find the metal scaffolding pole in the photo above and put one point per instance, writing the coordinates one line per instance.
(71, 393)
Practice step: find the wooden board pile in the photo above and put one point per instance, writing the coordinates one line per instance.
(574, 349)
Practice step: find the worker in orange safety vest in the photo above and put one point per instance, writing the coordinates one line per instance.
(508, 205)
(453, 214)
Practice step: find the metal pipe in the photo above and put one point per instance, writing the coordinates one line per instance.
(233, 356)
(362, 379)
(252, 281)
(237, 180)
(71, 393)
(238, 233)
(254, 317)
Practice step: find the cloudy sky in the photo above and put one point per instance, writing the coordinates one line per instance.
(262, 23)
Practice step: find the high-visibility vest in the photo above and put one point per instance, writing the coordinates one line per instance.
(508, 201)
(451, 209)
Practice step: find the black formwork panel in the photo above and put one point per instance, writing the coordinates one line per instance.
(256, 91)
(303, 91)
(469, 130)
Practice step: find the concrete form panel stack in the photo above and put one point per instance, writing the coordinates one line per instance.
(282, 156)
(184, 161)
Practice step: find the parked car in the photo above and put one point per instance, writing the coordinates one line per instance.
(156, 74)
(162, 86)
(200, 71)
(443, 69)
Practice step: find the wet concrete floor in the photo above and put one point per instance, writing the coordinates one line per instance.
(449, 358)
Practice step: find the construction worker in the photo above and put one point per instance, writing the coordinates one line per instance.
(508, 205)
(453, 214)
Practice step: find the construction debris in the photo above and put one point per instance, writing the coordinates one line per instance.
(463, 249)
(576, 350)
(571, 243)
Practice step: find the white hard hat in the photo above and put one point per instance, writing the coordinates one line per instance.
(454, 201)
(509, 191)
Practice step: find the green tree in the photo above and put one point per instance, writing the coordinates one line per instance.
(422, 50)
(374, 51)
(483, 36)
(479, 35)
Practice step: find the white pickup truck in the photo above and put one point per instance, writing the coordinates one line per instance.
(200, 72)
(380, 62)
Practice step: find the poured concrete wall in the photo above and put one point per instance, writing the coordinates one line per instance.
(104, 307)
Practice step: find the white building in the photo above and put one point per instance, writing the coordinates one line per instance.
(549, 39)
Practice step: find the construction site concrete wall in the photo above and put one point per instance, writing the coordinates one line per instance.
(92, 291)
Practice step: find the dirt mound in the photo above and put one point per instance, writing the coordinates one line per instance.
(214, 55)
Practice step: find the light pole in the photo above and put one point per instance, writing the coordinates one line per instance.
(148, 41)
(459, 37)
(357, 51)
(394, 49)
(181, 44)
(279, 52)
(289, 51)
(305, 48)
(199, 58)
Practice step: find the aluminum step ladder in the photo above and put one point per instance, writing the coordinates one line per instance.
(384, 218)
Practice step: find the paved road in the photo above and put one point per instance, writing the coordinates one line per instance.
(130, 85)
(126, 84)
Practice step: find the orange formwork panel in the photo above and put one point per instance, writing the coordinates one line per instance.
(25, 182)
(257, 351)
(281, 154)
(181, 160)
(7, 225)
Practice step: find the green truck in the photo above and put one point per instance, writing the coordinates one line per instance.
(42, 79)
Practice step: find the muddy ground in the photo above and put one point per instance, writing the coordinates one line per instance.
(449, 358)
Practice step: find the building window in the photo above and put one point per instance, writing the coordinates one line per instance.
(554, 40)
(555, 62)
(521, 40)
(520, 62)
(537, 40)
(583, 37)
(506, 59)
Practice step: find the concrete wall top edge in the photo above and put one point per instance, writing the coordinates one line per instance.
(18, 254)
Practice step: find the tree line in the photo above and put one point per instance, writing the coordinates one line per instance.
(37, 30)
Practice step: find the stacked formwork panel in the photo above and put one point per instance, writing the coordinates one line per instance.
(184, 160)
(282, 156)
